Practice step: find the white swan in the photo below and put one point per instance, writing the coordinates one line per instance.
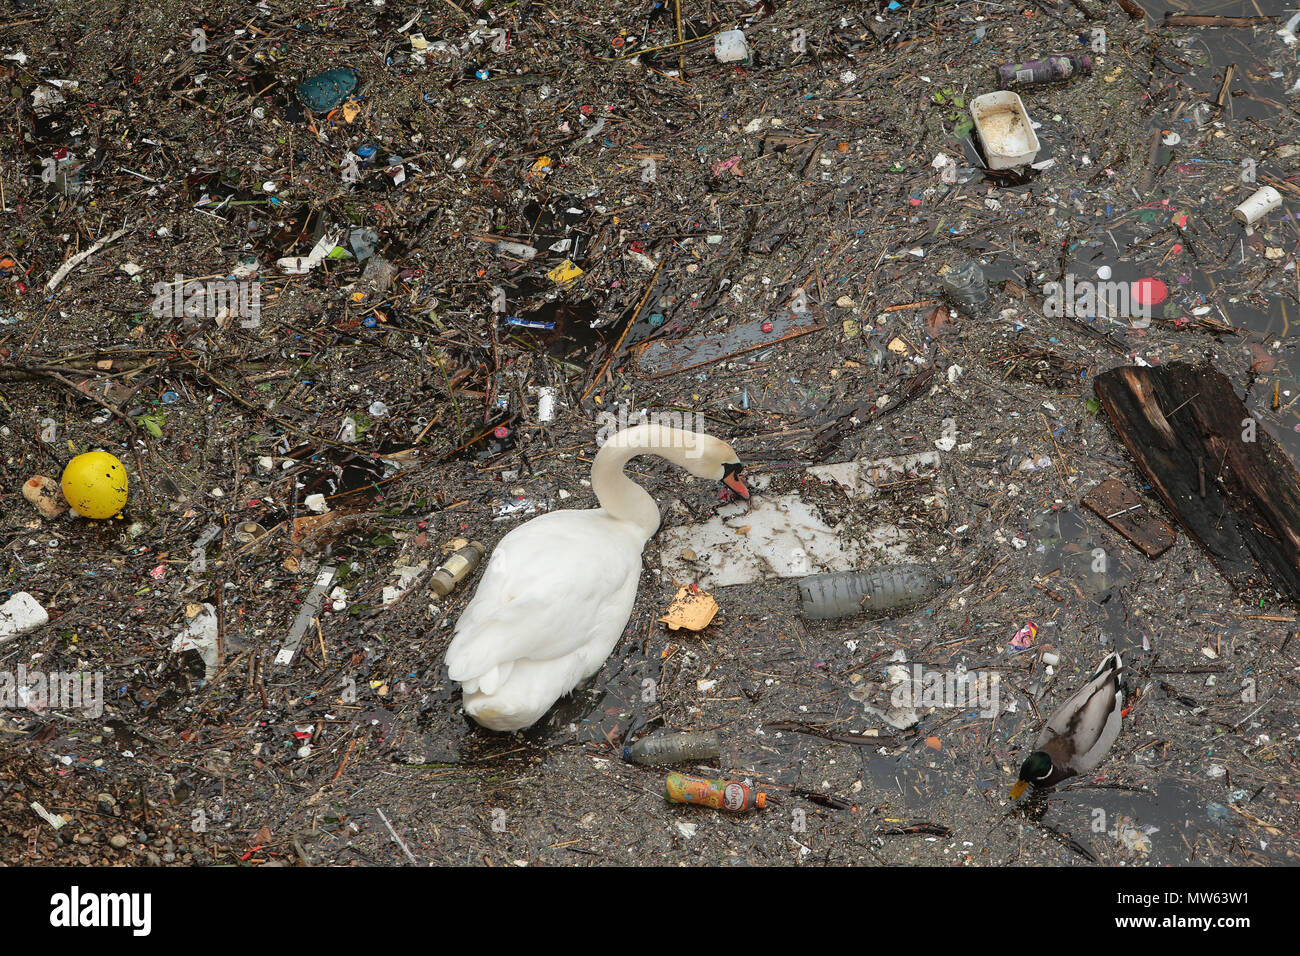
(559, 589)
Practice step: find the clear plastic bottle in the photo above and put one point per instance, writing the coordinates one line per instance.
(457, 568)
(659, 750)
(966, 287)
(883, 590)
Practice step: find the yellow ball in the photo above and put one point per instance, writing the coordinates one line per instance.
(95, 485)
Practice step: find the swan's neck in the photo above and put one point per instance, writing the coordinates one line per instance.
(618, 494)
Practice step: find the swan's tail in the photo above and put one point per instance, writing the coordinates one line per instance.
(488, 682)
(525, 698)
(474, 661)
(499, 712)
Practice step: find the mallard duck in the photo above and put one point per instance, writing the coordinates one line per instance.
(559, 589)
(1080, 733)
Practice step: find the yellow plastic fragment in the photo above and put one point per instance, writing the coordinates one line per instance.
(693, 610)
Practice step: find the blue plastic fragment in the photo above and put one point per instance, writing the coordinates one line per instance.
(324, 91)
(529, 323)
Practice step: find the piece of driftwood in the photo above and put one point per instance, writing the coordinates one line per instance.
(1124, 511)
(1216, 468)
(1202, 20)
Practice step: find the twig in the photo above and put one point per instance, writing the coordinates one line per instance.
(1061, 463)
(405, 849)
(72, 386)
(81, 257)
(613, 353)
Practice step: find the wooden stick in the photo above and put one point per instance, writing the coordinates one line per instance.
(613, 353)
(1197, 20)
(1062, 466)
(1227, 81)
(72, 386)
(681, 57)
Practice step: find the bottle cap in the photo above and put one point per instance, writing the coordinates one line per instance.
(760, 800)
(1150, 291)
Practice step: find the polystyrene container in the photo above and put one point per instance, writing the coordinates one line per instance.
(1004, 129)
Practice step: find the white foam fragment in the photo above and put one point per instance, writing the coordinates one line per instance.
(20, 614)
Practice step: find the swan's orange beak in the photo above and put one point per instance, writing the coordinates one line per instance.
(735, 484)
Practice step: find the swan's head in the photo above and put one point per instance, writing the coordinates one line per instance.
(717, 461)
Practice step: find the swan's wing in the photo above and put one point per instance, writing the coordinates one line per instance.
(551, 585)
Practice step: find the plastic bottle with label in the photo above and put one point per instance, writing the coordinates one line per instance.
(1050, 69)
(718, 794)
(456, 568)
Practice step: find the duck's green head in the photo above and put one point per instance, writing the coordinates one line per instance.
(1036, 768)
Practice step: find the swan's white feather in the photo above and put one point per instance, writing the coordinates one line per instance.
(551, 606)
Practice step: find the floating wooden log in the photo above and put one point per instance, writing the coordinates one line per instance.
(1218, 470)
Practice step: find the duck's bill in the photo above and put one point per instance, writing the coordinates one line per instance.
(1019, 789)
(735, 484)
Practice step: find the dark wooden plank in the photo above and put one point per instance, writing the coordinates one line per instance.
(1124, 511)
(1219, 472)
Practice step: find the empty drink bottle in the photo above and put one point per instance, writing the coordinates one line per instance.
(1050, 69)
(456, 568)
(718, 794)
(845, 593)
(663, 749)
